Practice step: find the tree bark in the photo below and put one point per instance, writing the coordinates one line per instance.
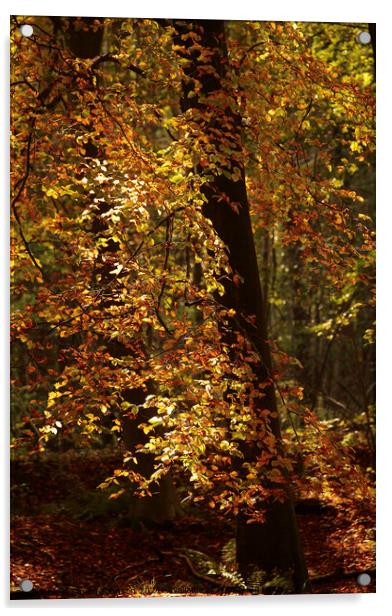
(274, 546)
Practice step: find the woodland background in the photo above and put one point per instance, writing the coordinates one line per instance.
(141, 336)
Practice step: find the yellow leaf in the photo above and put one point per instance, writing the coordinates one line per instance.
(117, 494)
(117, 269)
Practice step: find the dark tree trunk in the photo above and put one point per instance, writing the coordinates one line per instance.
(300, 343)
(273, 546)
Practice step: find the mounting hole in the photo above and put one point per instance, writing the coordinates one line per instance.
(364, 579)
(26, 585)
(364, 38)
(26, 30)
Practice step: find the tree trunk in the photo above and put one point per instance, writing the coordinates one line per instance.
(272, 547)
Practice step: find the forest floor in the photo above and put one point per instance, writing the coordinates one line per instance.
(73, 543)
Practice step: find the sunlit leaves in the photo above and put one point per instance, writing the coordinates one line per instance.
(119, 276)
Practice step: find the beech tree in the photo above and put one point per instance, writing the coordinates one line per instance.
(163, 504)
(272, 545)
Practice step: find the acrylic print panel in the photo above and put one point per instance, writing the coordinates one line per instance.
(192, 307)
